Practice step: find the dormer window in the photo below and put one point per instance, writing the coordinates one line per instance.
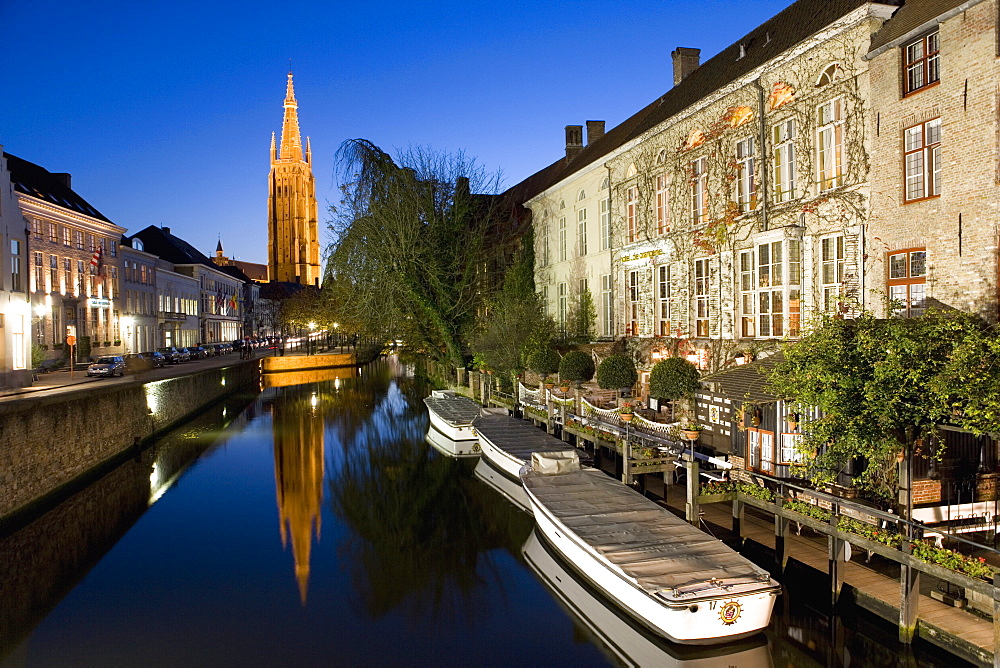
(137, 244)
(920, 63)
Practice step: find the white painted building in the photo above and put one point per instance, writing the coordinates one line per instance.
(15, 308)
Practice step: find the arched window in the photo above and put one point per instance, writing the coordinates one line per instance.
(137, 244)
(661, 156)
(562, 204)
(606, 183)
(582, 196)
(829, 75)
(631, 171)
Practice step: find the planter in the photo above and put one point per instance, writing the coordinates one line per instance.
(691, 434)
(626, 417)
(716, 498)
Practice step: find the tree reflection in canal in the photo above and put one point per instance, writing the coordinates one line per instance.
(422, 526)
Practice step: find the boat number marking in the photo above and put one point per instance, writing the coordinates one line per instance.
(730, 612)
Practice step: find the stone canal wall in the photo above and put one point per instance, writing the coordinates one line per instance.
(48, 442)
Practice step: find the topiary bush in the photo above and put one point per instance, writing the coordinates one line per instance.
(544, 361)
(576, 366)
(672, 379)
(617, 372)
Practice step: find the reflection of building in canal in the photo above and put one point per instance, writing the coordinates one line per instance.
(297, 426)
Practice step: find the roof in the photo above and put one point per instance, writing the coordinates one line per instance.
(281, 289)
(768, 40)
(159, 242)
(233, 271)
(745, 382)
(36, 181)
(910, 17)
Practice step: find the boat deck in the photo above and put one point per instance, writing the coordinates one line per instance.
(454, 409)
(658, 550)
(517, 438)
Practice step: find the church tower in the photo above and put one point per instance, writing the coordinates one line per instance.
(292, 215)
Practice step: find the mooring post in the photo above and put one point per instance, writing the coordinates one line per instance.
(996, 620)
(835, 552)
(550, 413)
(738, 517)
(691, 510)
(909, 598)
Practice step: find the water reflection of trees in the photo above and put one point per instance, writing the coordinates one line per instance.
(421, 525)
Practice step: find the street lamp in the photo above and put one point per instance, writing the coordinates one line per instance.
(312, 331)
(126, 323)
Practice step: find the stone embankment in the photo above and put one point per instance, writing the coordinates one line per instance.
(48, 442)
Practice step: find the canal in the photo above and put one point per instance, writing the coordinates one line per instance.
(310, 523)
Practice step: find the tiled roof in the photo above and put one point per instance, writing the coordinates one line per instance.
(36, 181)
(745, 382)
(911, 16)
(773, 37)
(173, 249)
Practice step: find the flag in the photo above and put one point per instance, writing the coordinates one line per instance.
(232, 303)
(97, 262)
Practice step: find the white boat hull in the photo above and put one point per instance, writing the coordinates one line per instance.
(454, 432)
(503, 462)
(698, 622)
(451, 448)
(510, 490)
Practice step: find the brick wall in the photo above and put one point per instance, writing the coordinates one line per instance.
(926, 491)
(46, 442)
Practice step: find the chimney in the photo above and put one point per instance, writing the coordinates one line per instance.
(64, 178)
(574, 140)
(595, 130)
(686, 61)
(166, 230)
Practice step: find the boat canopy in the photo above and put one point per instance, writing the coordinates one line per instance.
(517, 438)
(453, 409)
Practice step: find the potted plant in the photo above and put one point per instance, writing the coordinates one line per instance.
(692, 431)
(626, 412)
(793, 420)
(544, 361)
(617, 372)
(577, 367)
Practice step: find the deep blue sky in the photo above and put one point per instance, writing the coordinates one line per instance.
(163, 111)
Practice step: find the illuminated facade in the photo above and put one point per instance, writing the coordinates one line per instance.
(292, 217)
(15, 309)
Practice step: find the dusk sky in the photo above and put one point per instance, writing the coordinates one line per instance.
(163, 112)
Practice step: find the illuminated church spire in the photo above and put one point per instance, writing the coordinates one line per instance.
(292, 217)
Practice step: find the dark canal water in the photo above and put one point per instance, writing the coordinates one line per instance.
(311, 524)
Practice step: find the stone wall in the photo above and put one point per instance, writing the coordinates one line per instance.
(47, 442)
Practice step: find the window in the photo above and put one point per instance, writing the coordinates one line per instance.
(702, 308)
(784, 160)
(114, 249)
(18, 358)
(137, 244)
(53, 232)
(114, 281)
(779, 274)
(36, 228)
(544, 241)
(39, 272)
(93, 242)
(633, 304)
(15, 266)
(562, 239)
(908, 282)
(607, 306)
(605, 211)
(563, 307)
(832, 271)
(699, 192)
(53, 273)
(748, 295)
(631, 209)
(920, 63)
(545, 298)
(830, 144)
(922, 161)
(67, 275)
(662, 211)
(581, 231)
(67, 236)
(746, 190)
(789, 449)
(663, 298)
(78, 238)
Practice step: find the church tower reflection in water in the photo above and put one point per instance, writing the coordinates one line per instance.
(297, 425)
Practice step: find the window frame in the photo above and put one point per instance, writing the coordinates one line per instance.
(928, 63)
(662, 204)
(631, 213)
(784, 136)
(702, 290)
(663, 299)
(581, 231)
(746, 185)
(930, 162)
(607, 305)
(830, 177)
(699, 190)
(605, 216)
(907, 282)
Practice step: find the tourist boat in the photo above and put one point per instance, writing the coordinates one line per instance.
(450, 448)
(452, 415)
(619, 637)
(508, 443)
(674, 579)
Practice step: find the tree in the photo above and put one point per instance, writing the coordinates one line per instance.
(672, 379)
(617, 372)
(544, 361)
(514, 323)
(580, 320)
(576, 366)
(412, 241)
(880, 384)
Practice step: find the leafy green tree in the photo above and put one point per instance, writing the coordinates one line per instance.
(412, 241)
(881, 383)
(581, 318)
(544, 361)
(617, 372)
(672, 379)
(576, 366)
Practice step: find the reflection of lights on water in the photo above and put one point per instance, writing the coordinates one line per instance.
(336, 383)
(152, 401)
(223, 381)
(225, 411)
(313, 400)
(157, 487)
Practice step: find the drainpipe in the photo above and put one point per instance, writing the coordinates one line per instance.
(762, 136)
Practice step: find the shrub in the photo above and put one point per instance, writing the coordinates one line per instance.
(672, 379)
(544, 361)
(617, 372)
(576, 366)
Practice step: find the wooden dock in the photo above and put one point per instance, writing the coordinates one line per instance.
(958, 631)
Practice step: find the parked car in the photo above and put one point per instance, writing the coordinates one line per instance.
(109, 366)
(156, 357)
(226, 348)
(185, 354)
(196, 352)
(209, 350)
(171, 354)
